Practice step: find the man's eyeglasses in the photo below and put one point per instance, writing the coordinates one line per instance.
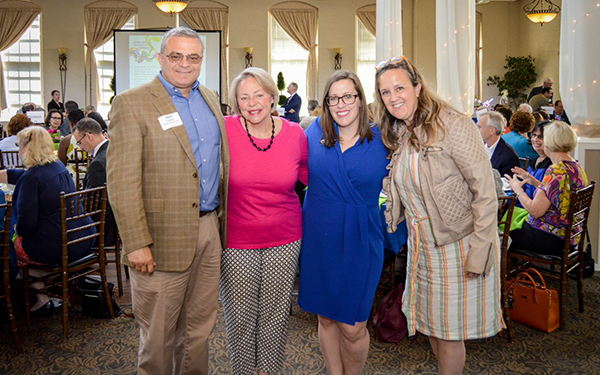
(81, 139)
(348, 99)
(176, 58)
(394, 60)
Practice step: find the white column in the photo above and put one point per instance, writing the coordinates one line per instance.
(389, 29)
(455, 47)
(579, 61)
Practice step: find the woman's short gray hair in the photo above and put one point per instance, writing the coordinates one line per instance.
(265, 81)
(184, 32)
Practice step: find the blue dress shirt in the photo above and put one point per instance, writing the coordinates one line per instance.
(205, 137)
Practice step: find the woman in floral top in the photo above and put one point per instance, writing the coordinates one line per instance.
(544, 230)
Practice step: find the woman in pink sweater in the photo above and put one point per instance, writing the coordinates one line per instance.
(264, 224)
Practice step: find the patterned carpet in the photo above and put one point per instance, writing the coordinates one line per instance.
(110, 347)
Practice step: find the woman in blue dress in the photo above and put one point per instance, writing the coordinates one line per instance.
(342, 249)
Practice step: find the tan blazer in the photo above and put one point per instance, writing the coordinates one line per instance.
(455, 173)
(152, 177)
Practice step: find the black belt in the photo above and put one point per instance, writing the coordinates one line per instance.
(204, 213)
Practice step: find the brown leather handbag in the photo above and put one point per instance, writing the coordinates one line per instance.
(533, 304)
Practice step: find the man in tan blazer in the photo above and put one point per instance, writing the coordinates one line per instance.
(167, 171)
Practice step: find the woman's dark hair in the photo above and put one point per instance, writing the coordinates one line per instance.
(330, 137)
(506, 112)
(98, 117)
(49, 115)
(543, 113)
(541, 125)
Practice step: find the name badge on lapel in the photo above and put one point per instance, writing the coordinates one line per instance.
(170, 121)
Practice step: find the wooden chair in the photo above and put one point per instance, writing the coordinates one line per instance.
(5, 281)
(524, 162)
(116, 251)
(82, 161)
(570, 264)
(506, 208)
(74, 206)
(10, 159)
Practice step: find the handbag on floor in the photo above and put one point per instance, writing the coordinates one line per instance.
(533, 304)
(93, 303)
(389, 318)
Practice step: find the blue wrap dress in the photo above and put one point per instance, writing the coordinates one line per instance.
(342, 248)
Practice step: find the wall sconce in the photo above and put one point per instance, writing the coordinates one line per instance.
(337, 60)
(541, 11)
(171, 6)
(62, 68)
(249, 56)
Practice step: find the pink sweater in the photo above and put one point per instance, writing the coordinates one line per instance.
(262, 208)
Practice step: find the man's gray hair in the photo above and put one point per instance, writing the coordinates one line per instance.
(525, 108)
(496, 121)
(88, 125)
(184, 32)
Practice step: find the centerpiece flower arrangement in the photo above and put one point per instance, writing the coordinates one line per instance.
(55, 135)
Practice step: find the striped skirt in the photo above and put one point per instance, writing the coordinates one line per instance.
(439, 300)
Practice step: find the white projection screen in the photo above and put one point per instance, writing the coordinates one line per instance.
(136, 58)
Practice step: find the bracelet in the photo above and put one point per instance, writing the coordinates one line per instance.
(519, 193)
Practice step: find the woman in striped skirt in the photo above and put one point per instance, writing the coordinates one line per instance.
(441, 183)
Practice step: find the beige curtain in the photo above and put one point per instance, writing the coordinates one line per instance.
(368, 16)
(300, 22)
(15, 17)
(101, 18)
(210, 15)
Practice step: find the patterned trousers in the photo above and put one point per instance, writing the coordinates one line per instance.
(256, 291)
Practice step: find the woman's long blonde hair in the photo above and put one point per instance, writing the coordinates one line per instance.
(40, 148)
(427, 114)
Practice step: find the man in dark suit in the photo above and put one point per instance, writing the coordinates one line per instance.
(538, 90)
(559, 112)
(293, 104)
(88, 134)
(503, 157)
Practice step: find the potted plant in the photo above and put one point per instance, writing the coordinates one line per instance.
(281, 87)
(520, 74)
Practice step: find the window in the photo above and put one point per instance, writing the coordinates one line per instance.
(365, 60)
(290, 59)
(105, 58)
(22, 71)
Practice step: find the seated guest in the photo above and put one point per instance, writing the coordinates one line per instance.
(29, 106)
(89, 109)
(521, 123)
(544, 229)
(92, 141)
(54, 120)
(100, 120)
(507, 112)
(543, 99)
(525, 108)
(312, 106)
(559, 112)
(535, 171)
(65, 128)
(68, 144)
(503, 157)
(543, 114)
(36, 206)
(17, 123)
(55, 102)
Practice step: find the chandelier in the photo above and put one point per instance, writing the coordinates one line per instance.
(541, 11)
(171, 6)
